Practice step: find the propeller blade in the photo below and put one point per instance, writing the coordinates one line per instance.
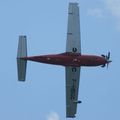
(103, 66)
(103, 55)
(107, 65)
(108, 55)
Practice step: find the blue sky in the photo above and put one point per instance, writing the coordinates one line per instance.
(42, 96)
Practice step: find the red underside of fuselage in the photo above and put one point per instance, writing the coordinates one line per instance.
(69, 59)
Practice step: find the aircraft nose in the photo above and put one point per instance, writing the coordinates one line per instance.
(106, 62)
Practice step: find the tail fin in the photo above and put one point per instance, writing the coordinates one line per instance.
(21, 63)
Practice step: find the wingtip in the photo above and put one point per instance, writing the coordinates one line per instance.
(68, 116)
(74, 2)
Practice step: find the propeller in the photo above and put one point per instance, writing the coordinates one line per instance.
(107, 57)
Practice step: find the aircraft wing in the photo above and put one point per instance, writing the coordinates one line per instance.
(73, 31)
(72, 73)
(72, 89)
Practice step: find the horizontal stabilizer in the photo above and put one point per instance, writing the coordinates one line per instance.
(21, 63)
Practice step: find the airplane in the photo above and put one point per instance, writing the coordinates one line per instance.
(72, 59)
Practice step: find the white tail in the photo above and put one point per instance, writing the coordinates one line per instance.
(22, 52)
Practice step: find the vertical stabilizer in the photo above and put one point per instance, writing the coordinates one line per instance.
(21, 63)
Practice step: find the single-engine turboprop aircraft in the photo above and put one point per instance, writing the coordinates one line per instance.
(71, 59)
